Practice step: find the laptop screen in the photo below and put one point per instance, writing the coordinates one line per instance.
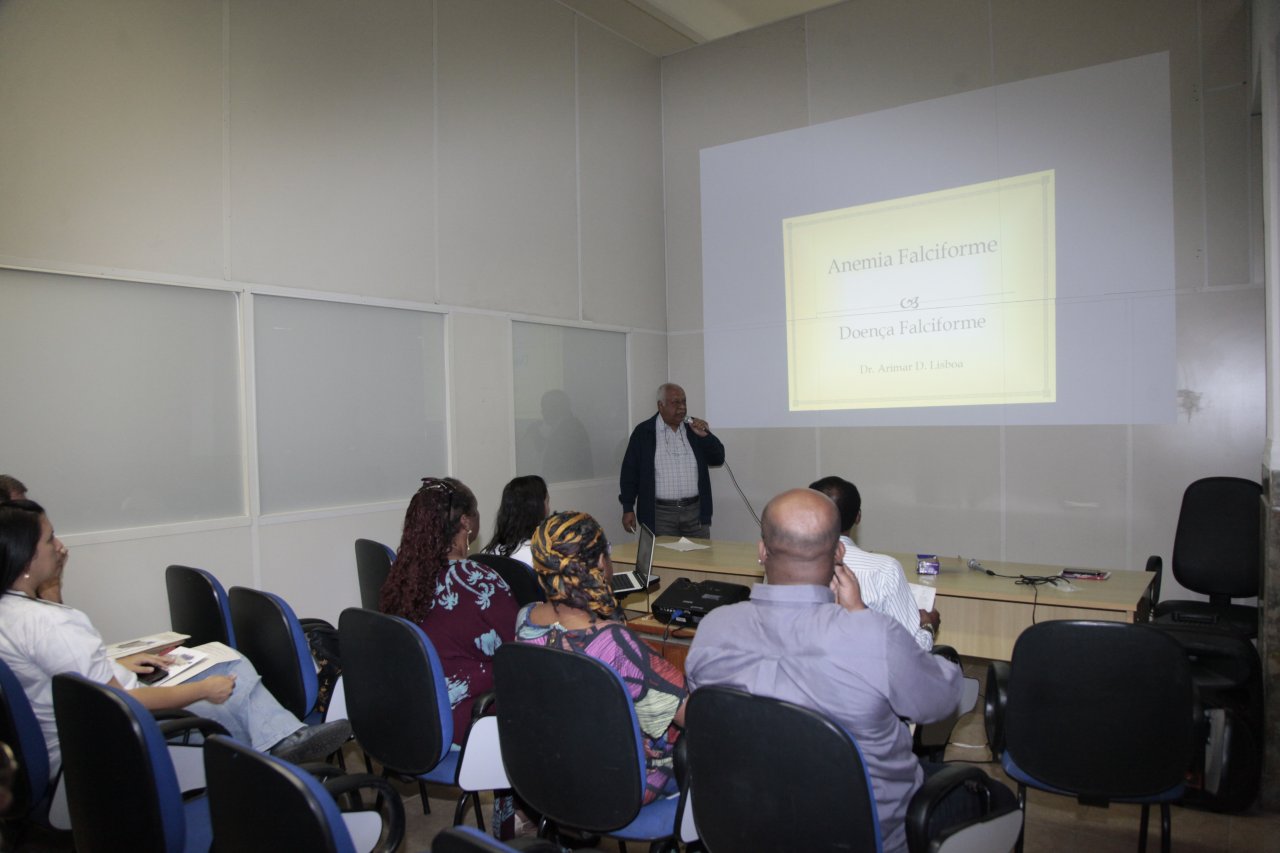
(644, 555)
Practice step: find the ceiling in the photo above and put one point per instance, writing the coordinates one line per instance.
(663, 27)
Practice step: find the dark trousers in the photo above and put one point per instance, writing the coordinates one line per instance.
(680, 521)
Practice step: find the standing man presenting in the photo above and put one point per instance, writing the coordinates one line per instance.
(664, 480)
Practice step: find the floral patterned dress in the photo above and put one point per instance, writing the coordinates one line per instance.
(471, 614)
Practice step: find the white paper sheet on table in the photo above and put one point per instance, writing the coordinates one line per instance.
(683, 544)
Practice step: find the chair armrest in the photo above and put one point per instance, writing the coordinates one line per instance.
(680, 762)
(936, 788)
(189, 723)
(947, 652)
(322, 771)
(997, 699)
(1155, 565)
(483, 705)
(346, 789)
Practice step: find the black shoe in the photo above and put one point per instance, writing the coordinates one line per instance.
(313, 743)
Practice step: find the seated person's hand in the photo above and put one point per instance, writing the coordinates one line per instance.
(844, 585)
(219, 688)
(930, 617)
(144, 663)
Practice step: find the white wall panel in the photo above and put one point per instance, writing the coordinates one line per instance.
(111, 137)
(739, 87)
(482, 446)
(312, 563)
(120, 584)
(331, 172)
(620, 145)
(924, 489)
(854, 69)
(1067, 514)
(508, 225)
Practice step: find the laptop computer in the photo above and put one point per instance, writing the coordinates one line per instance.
(642, 575)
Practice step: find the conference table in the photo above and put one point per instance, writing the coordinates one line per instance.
(981, 615)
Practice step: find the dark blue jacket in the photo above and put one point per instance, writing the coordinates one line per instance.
(636, 480)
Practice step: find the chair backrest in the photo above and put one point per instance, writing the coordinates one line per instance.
(373, 562)
(1217, 546)
(569, 737)
(525, 588)
(397, 697)
(21, 731)
(770, 775)
(269, 634)
(1102, 710)
(121, 786)
(198, 606)
(260, 804)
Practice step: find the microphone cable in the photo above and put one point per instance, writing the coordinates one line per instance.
(743, 494)
(1033, 581)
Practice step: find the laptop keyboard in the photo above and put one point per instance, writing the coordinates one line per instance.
(620, 582)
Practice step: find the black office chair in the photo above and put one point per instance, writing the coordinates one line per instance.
(261, 804)
(122, 789)
(1227, 674)
(32, 789)
(1101, 711)
(373, 562)
(1217, 552)
(398, 705)
(198, 606)
(572, 746)
(769, 775)
(269, 634)
(519, 577)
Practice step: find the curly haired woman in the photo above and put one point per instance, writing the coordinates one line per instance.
(465, 609)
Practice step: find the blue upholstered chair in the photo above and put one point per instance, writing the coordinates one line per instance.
(33, 789)
(122, 789)
(572, 746)
(1099, 711)
(261, 804)
(373, 562)
(269, 634)
(802, 784)
(398, 705)
(198, 606)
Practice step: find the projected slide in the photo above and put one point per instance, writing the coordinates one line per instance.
(997, 256)
(939, 299)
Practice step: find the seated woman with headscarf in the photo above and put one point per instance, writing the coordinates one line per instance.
(580, 615)
(463, 607)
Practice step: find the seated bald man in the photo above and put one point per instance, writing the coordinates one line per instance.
(806, 637)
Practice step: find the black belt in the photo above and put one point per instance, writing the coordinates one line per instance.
(682, 502)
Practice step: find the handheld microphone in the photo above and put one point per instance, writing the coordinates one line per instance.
(976, 566)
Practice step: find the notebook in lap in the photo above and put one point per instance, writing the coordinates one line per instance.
(640, 577)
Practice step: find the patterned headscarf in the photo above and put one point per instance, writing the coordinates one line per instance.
(566, 555)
